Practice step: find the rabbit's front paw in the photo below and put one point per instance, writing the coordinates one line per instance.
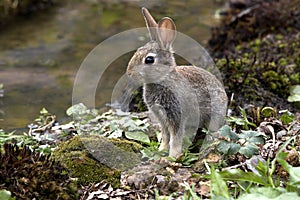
(175, 152)
(163, 146)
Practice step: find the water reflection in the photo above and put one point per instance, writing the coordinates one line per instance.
(40, 54)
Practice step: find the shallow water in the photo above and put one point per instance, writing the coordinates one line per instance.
(40, 54)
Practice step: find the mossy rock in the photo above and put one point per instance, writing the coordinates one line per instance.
(95, 158)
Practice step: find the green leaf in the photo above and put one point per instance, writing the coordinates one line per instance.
(294, 98)
(190, 191)
(44, 111)
(76, 109)
(294, 172)
(113, 126)
(218, 185)
(268, 112)
(226, 132)
(151, 152)
(6, 137)
(139, 122)
(240, 175)
(188, 158)
(256, 140)
(262, 168)
(286, 116)
(249, 150)
(138, 136)
(295, 94)
(234, 148)
(236, 120)
(228, 147)
(249, 134)
(5, 195)
(268, 193)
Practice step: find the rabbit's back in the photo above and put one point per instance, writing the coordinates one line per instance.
(211, 96)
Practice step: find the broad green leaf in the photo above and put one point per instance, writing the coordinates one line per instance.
(295, 94)
(228, 147)
(5, 195)
(294, 173)
(294, 98)
(226, 132)
(249, 134)
(239, 175)
(249, 150)
(138, 136)
(218, 185)
(256, 140)
(234, 148)
(267, 193)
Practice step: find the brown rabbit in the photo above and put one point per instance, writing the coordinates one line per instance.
(182, 98)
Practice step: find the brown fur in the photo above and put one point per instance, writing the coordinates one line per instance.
(183, 98)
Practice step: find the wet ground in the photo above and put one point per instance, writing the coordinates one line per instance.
(41, 53)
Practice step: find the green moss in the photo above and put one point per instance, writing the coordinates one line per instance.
(262, 70)
(260, 58)
(96, 158)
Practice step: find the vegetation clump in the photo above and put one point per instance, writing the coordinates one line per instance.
(257, 50)
(30, 175)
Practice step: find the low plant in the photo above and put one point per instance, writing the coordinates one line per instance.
(241, 121)
(111, 124)
(245, 143)
(261, 182)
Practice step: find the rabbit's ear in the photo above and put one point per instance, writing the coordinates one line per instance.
(150, 22)
(166, 32)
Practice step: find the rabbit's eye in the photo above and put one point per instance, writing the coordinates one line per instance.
(149, 59)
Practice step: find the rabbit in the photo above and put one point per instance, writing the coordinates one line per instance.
(182, 98)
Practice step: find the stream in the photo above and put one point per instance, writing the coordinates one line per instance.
(40, 54)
